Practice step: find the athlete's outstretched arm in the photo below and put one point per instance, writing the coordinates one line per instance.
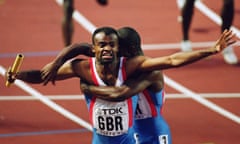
(183, 58)
(35, 76)
(29, 76)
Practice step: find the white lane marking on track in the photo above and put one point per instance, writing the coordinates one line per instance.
(202, 100)
(175, 45)
(49, 103)
(77, 16)
(146, 47)
(81, 97)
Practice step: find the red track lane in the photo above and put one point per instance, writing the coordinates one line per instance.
(34, 26)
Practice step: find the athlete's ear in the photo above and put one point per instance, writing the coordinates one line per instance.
(93, 49)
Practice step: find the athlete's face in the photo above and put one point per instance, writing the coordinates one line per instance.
(105, 47)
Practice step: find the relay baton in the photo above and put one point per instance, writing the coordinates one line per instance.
(15, 67)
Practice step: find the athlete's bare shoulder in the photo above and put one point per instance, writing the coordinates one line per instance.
(81, 67)
(133, 64)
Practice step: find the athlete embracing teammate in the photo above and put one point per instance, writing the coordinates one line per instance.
(112, 116)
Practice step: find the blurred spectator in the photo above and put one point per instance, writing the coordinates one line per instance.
(227, 15)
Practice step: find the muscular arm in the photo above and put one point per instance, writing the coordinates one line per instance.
(174, 60)
(182, 58)
(50, 71)
(73, 51)
(31, 76)
(131, 87)
(35, 76)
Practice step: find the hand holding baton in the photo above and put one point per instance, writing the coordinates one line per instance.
(15, 67)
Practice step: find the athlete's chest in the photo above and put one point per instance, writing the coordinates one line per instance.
(108, 76)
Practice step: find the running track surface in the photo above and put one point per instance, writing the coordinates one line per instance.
(32, 27)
